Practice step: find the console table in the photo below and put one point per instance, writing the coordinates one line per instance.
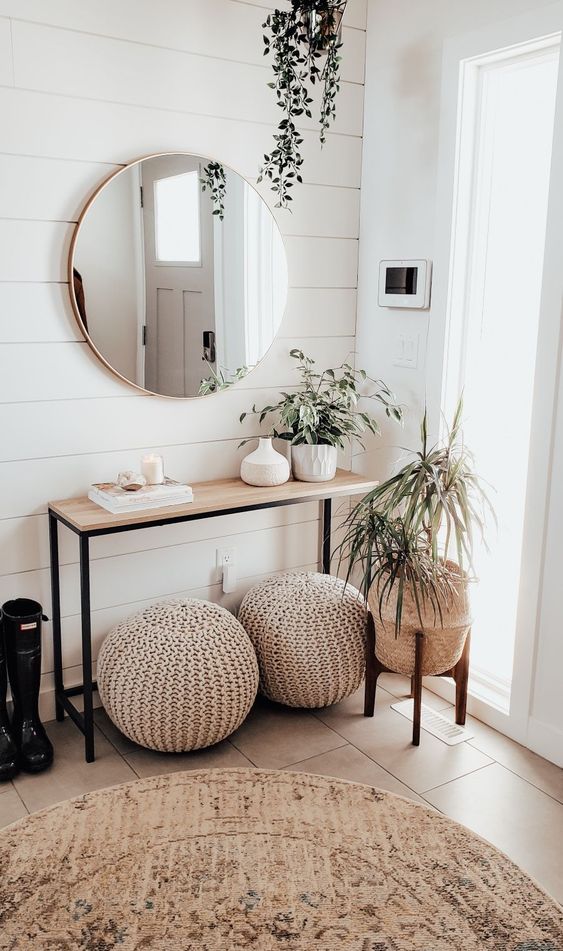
(224, 497)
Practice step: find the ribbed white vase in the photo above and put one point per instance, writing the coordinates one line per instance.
(313, 463)
(264, 466)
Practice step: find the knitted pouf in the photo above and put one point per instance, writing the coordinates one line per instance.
(178, 676)
(308, 631)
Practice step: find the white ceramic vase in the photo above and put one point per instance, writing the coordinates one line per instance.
(313, 463)
(264, 466)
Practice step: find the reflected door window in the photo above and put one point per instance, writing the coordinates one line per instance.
(177, 219)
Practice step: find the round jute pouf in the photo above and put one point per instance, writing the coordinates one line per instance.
(309, 633)
(220, 860)
(178, 676)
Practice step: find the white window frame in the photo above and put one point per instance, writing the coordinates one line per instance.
(461, 55)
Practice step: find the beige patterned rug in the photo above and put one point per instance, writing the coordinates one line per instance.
(216, 860)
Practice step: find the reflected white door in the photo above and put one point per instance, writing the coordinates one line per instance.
(178, 240)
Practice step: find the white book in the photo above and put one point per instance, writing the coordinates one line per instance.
(114, 494)
(117, 507)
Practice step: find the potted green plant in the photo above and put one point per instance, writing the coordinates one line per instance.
(305, 41)
(324, 414)
(410, 542)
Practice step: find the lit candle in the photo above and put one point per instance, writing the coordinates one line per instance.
(152, 467)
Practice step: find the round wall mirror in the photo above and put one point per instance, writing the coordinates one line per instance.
(178, 275)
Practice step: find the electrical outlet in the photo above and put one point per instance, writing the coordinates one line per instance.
(225, 557)
(226, 568)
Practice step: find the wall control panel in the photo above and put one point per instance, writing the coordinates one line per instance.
(405, 284)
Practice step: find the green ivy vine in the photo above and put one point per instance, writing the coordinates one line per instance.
(213, 177)
(305, 44)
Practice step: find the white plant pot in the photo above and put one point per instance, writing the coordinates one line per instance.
(265, 466)
(313, 463)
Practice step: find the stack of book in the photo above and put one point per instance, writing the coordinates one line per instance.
(118, 500)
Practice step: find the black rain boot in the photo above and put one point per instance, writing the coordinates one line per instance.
(21, 620)
(8, 750)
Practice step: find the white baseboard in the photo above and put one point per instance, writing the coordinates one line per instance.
(545, 740)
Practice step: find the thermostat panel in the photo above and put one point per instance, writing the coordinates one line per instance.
(405, 284)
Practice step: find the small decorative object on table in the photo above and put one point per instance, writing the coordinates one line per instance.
(152, 467)
(399, 538)
(131, 481)
(117, 498)
(323, 416)
(265, 466)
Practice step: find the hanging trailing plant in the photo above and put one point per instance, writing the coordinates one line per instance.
(213, 177)
(305, 43)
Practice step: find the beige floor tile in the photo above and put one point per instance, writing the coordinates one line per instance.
(11, 806)
(151, 763)
(400, 687)
(121, 742)
(70, 775)
(273, 736)
(512, 814)
(349, 763)
(536, 770)
(387, 739)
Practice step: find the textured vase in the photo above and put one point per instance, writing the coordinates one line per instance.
(313, 463)
(264, 466)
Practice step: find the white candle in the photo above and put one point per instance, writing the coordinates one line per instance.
(152, 467)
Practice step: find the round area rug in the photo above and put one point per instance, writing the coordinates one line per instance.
(217, 860)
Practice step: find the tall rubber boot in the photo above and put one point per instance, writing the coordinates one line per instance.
(8, 750)
(21, 620)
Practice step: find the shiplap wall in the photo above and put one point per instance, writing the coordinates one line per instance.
(86, 87)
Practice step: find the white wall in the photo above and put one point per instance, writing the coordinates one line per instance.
(400, 196)
(84, 88)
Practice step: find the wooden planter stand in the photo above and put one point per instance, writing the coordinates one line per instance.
(374, 668)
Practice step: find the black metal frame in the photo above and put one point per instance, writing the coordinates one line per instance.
(63, 704)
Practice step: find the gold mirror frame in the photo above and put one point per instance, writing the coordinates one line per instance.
(70, 271)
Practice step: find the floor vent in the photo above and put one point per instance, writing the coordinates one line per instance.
(435, 723)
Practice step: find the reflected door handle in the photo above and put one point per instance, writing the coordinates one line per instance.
(209, 352)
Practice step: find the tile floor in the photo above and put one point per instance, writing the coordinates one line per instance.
(502, 791)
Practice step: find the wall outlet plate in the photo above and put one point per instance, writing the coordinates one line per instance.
(225, 557)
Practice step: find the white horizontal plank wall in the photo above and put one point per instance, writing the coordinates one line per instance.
(84, 88)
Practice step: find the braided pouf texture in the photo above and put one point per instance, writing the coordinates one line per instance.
(309, 632)
(178, 676)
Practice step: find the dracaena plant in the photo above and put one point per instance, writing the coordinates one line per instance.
(305, 43)
(325, 410)
(405, 531)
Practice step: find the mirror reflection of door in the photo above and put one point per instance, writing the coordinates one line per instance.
(187, 271)
(178, 256)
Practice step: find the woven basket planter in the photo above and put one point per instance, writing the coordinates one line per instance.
(309, 633)
(443, 642)
(179, 676)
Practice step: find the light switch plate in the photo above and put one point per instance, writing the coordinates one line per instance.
(406, 350)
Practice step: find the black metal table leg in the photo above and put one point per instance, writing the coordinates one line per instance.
(86, 648)
(56, 615)
(327, 518)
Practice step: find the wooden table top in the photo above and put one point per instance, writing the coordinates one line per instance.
(216, 496)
